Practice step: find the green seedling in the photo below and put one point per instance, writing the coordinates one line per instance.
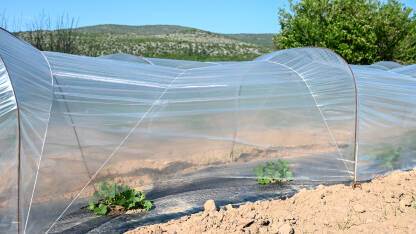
(110, 197)
(345, 226)
(388, 155)
(273, 172)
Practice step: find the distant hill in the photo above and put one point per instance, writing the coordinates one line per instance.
(143, 30)
(168, 41)
(263, 39)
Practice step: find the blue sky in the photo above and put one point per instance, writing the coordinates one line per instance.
(223, 16)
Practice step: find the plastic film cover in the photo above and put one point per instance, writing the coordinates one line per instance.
(150, 123)
(387, 134)
(9, 141)
(147, 125)
(31, 79)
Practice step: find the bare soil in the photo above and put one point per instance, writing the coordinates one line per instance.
(384, 205)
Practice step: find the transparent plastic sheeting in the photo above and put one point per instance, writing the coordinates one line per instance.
(73, 121)
(8, 154)
(24, 119)
(387, 127)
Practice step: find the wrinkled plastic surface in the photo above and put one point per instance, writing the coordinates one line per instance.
(126, 57)
(31, 82)
(8, 154)
(149, 122)
(387, 127)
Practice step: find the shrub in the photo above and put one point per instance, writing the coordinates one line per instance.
(273, 172)
(110, 197)
(361, 31)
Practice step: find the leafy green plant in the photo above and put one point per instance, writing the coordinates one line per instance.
(273, 172)
(111, 197)
(388, 155)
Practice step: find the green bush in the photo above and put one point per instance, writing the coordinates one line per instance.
(273, 172)
(361, 31)
(110, 196)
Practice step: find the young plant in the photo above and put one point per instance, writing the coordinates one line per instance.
(115, 197)
(388, 155)
(273, 172)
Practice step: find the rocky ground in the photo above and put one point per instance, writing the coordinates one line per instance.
(384, 205)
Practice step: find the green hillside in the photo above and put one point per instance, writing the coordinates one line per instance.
(143, 30)
(262, 39)
(164, 41)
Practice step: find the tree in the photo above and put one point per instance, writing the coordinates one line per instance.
(393, 25)
(361, 31)
(405, 51)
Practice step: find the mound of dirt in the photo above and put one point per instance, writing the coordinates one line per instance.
(387, 204)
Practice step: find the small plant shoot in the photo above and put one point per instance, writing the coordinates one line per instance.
(116, 199)
(388, 156)
(273, 172)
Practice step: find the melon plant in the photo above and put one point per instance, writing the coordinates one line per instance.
(115, 199)
(273, 172)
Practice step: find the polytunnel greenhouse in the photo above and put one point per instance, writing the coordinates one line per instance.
(69, 122)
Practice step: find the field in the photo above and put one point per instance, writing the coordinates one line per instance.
(385, 205)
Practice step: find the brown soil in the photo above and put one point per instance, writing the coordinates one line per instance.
(116, 210)
(183, 156)
(119, 210)
(385, 205)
